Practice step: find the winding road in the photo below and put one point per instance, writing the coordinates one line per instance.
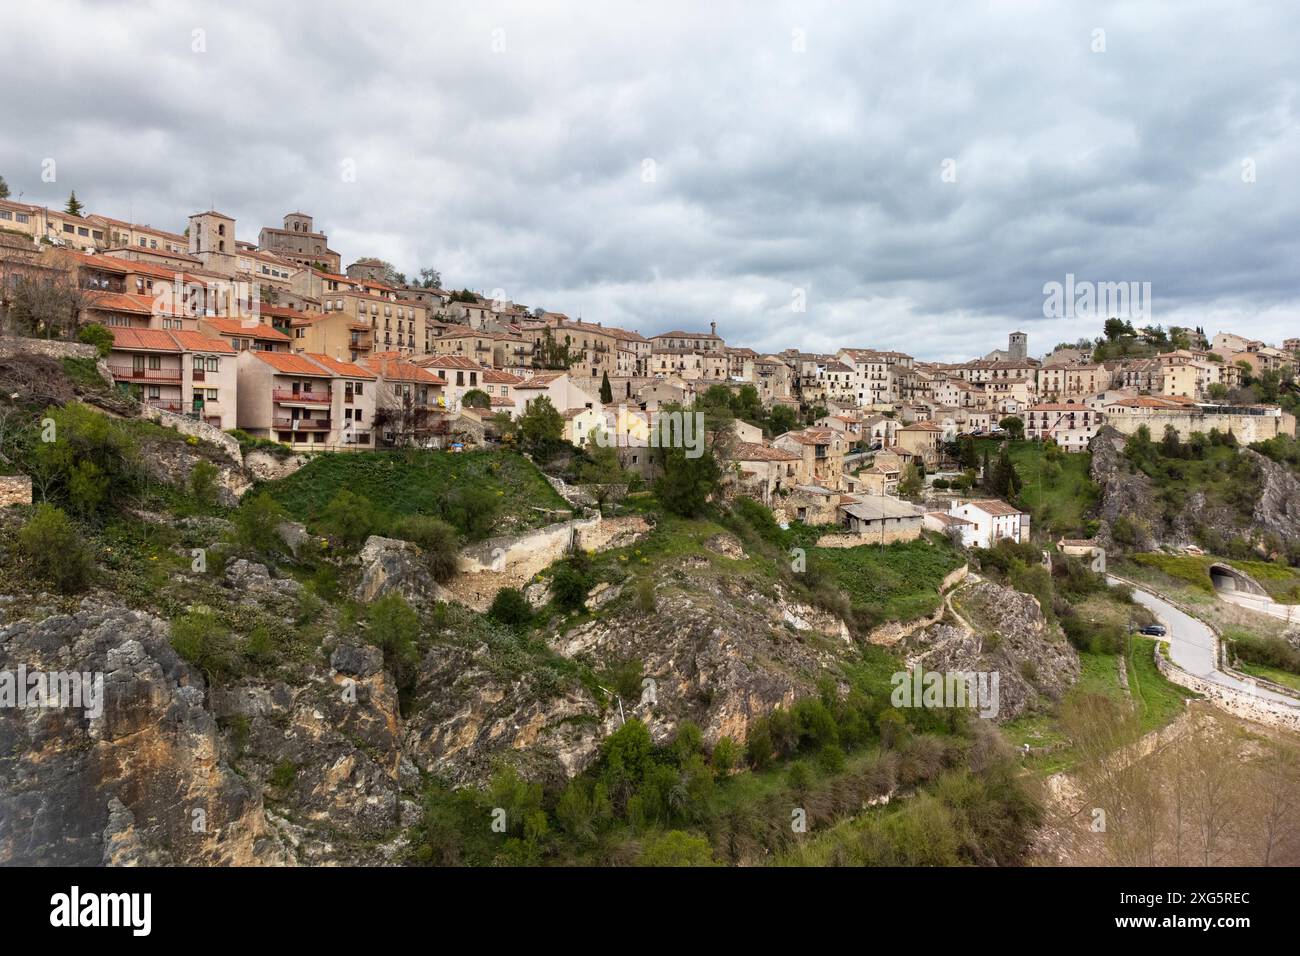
(1192, 645)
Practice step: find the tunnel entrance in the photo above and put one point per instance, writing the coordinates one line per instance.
(1229, 579)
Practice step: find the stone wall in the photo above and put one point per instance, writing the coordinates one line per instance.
(195, 428)
(15, 490)
(1235, 702)
(850, 540)
(11, 345)
(530, 552)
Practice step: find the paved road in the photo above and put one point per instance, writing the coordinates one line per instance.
(1191, 646)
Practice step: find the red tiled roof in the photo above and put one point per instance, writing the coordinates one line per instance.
(292, 363)
(241, 327)
(152, 340)
(198, 342)
(400, 370)
(339, 367)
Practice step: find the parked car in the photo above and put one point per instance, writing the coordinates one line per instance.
(1153, 630)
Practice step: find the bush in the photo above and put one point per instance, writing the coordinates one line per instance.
(256, 521)
(471, 509)
(351, 518)
(203, 483)
(645, 595)
(677, 848)
(724, 754)
(510, 608)
(199, 638)
(98, 336)
(570, 584)
(393, 627)
(53, 549)
(437, 539)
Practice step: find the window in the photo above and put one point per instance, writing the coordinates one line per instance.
(6, 214)
(67, 227)
(22, 217)
(155, 391)
(155, 362)
(212, 394)
(214, 364)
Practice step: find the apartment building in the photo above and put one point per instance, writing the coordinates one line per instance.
(178, 371)
(304, 400)
(1057, 382)
(924, 439)
(411, 404)
(1070, 426)
(461, 375)
(333, 333)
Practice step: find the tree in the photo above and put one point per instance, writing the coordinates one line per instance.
(430, 279)
(781, 420)
(98, 336)
(45, 306)
(510, 608)
(1014, 426)
(541, 427)
(4, 188)
(53, 549)
(393, 626)
(476, 398)
(909, 485)
(74, 206)
(606, 392)
(351, 517)
(687, 483)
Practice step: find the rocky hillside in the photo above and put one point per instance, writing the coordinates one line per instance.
(1221, 497)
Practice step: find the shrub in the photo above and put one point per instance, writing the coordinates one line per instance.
(471, 509)
(351, 518)
(570, 584)
(98, 336)
(438, 541)
(677, 848)
(393, 627)
(256, 521)
(645, 595)
(199, 638)
(53, 548)
(724, 754)
(511, 609)
(203, 483)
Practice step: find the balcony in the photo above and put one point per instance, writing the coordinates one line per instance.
(130, 374)
(301, 424)
(199, 375)
(300, 398)
(165, 405)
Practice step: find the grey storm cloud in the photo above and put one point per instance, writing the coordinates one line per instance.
(671, 164)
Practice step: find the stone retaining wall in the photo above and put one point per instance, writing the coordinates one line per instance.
(195, 428)
(528, 552)
(1235, 702)
(11, 345)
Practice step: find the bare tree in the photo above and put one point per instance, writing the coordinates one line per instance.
(43, 305)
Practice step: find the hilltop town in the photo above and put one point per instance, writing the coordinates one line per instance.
(367, 560)
(277, 339)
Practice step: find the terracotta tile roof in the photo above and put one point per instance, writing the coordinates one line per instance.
(198, 342)
(339, 367)
(751, 451)
(493, 377)
(448, 361)
(994, 507)
(539, 381)
(401, 370)
(151, 340)
(120, 302)
(244, 328)
(293, 363)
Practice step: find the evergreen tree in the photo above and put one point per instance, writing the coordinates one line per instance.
(606, 392)
(74, 207)
(4, 188)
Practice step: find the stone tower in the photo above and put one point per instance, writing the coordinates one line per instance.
(1017, 346)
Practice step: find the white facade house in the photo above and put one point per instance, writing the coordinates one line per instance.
(993, 521)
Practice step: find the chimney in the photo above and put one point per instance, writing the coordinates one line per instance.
(713, 328)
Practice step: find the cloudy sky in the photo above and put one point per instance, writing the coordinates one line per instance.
(911, 173)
